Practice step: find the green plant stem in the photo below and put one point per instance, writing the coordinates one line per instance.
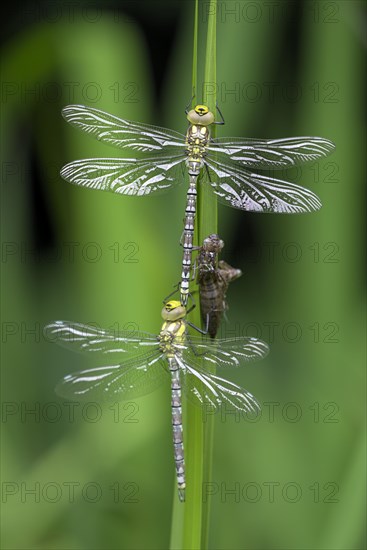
(191, 520)
(195, 50)
(207, 224)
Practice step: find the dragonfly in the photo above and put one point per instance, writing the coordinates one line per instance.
(227, 163)
(213, 278)
(133, 364)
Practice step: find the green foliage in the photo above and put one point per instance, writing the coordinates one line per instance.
(310, 290)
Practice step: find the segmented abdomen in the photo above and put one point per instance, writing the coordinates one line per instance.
(212, 300)
(176, 407)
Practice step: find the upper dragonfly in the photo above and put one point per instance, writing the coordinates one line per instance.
(228, 163)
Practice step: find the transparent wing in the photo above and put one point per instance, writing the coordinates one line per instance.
(203, 388)
(124, 381)
(237, 187)
(123, 133)
(101, 342)
(273, 153)
(125, 176)
(226, 352)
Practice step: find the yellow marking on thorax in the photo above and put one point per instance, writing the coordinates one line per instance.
(172, 332)
(176, 328)
(197, 139)
(181, 333)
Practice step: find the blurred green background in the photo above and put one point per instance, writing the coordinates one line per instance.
(86, 477)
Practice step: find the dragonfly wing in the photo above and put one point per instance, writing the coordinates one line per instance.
(273, 153)
(237, 187)
(117, 382)
(226, 352)
(123, 133)
(204, 388)
(101, 342)
(124, 176)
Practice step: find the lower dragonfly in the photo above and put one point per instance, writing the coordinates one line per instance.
(227, 164)
(213, 278)
(187, 359)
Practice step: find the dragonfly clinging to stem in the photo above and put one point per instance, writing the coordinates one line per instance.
(213, 277)
(135, 364)
(228, 163)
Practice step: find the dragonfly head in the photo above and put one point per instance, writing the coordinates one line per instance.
(173, 311)
(200, 115)
(213, 243)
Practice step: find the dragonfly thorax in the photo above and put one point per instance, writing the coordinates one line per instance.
(174, 327)
(173, 333)
(197, 140)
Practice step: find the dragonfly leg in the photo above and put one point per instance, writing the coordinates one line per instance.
(188, 106)
(193, 303)
(197, 328)
(172, 293)
(220, 123)
(193, 348)
(194, 269)
(177, 290)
